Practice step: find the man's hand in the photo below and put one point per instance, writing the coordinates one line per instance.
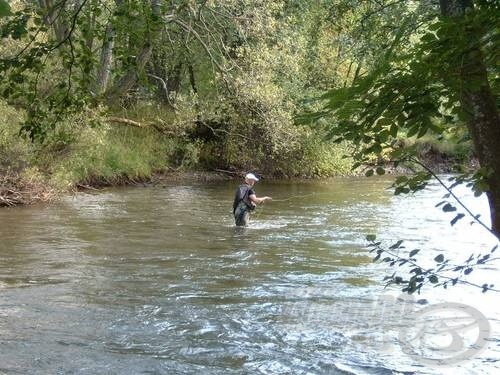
(256, 200)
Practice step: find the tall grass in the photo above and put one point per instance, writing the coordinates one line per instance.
(76, 153)
(112, 154)
(15, 153)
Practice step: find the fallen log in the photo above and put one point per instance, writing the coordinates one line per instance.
(127, 121)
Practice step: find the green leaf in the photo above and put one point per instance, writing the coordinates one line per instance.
(439, 258)
(309, 118)
(397, 153)
(449, 208)
(380, 171)
(414, 252)
(371, 237)
(417, 271)
(394, 130)
(383, 136)
(456, 218)
(429, 38)
(401, 190)
(483, 259)
(440, 203)
(396, 245)
(401, 179)
(369, 173)
(422, 131)
(412, 131)
(433, 279)
(434, 26)
(5, 9)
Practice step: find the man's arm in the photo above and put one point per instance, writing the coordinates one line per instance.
(254, 199)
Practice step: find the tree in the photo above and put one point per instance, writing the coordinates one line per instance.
(476, 97)
(437, 75)
(437, 80)
(68, 54)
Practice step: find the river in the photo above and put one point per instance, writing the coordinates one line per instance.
(157, 280)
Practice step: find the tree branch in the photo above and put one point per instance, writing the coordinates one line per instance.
(431, 172)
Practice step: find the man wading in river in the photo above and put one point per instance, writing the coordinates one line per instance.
(245, 200)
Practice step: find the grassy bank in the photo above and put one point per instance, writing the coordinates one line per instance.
(93, 149)
(96, 149)
(77, 154)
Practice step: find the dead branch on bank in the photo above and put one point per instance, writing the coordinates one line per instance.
(160, 127)
(14, 190)
(231, 173)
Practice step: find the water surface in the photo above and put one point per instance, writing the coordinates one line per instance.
(157, 280)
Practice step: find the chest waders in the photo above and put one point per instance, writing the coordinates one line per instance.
(242, 206)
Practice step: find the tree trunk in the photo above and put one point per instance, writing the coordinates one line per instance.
(192, 80)
(478, 102)
(55, 17)
(131, 76)
(348, 72)
(106, 59)
(91, 19)
(104, 70)
(170, 87)
(356, 73)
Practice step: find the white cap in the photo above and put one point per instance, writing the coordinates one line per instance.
(251, 176)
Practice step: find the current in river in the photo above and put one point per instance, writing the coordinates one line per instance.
(158, 280)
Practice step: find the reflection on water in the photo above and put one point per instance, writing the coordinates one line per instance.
(158, 280)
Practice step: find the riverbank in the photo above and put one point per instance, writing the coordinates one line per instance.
(16, 190)
(97, 148)
(22, 190)
(25, 182)
(89, 151)
(44, 175)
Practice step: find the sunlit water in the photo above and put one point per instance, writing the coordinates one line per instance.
(157, 280)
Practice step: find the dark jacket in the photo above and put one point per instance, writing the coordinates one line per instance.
(242, 194)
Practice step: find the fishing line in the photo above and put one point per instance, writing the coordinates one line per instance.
(257, 212)
(296, 197)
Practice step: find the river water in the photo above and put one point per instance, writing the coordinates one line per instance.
(157, 280)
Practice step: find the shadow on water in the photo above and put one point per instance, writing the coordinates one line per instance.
(159, 280)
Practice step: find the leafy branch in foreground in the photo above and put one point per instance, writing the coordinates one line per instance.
(473, 181)
(445, 80)
(444, 273)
